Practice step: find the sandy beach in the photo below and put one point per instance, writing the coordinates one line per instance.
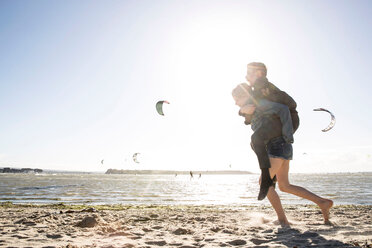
(181, 226)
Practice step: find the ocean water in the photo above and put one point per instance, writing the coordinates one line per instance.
(342, 188)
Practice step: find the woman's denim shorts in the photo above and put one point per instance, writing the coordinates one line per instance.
(278, 148)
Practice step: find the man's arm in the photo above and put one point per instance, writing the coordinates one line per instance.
(283, 98)
(267, 108)
(280, 97)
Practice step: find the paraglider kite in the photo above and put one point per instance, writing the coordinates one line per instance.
(159, 107)
(102, 161)
(333, 119)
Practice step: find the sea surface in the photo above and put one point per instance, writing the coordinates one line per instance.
(342, 188)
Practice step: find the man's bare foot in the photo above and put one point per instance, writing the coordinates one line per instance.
(325, 205)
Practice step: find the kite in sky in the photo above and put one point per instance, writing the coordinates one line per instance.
(135, 157)
(333, 119)
(159, 107)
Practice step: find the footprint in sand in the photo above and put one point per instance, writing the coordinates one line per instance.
(89, 221)
(19, 236)
(175, 244)
(54, 236)
(159, 243)
(258, 241)
(157, 227)
(119, 234)
(181, 231)
(237, 242)
(29, 223)
(198, 239)
(267, 231)
(227, 231)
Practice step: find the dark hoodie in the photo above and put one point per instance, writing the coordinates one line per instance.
(273, 124)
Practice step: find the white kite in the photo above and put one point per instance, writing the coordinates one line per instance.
(333, 119)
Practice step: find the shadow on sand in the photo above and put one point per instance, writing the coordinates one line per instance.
(291, 236)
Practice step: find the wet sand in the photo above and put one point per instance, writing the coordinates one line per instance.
(181, 226)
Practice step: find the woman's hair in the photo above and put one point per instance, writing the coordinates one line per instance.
(241, 90)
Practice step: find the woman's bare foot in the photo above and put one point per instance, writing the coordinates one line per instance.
(283, 223)
(325, 205)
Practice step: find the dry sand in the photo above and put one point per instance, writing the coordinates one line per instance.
(181, 226)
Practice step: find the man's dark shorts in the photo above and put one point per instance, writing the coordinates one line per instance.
(278, 148)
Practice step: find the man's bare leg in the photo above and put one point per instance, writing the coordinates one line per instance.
(285, 186)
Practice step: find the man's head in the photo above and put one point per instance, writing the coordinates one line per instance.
(241, 95)
(255, 70)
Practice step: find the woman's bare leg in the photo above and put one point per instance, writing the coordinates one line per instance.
(273, 196)
(285, 186)
(277, 205)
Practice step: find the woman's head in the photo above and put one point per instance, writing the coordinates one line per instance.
(241, 94)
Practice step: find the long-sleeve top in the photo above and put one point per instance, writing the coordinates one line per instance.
(266, 108)
(277, 96)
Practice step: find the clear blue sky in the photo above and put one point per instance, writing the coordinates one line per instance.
(79, 81)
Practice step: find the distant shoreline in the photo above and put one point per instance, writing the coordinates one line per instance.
(22, 170)
(170, 172)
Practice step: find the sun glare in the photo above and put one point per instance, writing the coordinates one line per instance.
(208, 60)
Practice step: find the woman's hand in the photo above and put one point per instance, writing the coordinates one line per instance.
(265, 91)
(247, 109)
